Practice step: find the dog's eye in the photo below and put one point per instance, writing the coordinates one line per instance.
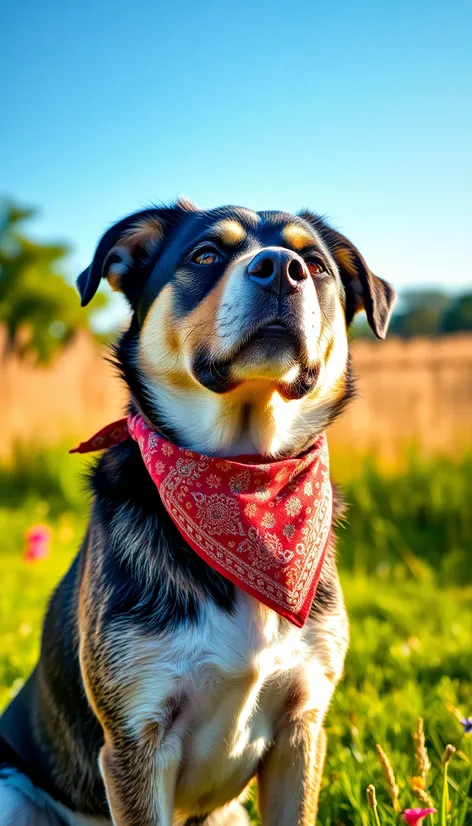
(316, 266)
(206, 256)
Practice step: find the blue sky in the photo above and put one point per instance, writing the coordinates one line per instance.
(359, 110)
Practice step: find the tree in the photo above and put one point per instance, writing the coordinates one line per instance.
(421, 313)
(458, 316)
(38, 308)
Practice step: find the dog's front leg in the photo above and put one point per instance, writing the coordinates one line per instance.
(289, 777)
(139, 780)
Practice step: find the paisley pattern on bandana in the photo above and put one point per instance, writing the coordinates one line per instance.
(265, 527)
(221, 507)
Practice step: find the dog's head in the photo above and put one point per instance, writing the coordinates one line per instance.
(238, 341)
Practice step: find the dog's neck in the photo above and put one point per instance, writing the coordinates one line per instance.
(265, 426)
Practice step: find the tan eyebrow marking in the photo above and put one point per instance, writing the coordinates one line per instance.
(297, 236)
(230, 231)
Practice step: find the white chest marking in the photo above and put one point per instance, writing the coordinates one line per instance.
(230, 678)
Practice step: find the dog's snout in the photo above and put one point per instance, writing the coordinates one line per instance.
(278, 271)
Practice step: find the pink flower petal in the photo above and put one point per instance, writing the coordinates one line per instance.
(415, 816)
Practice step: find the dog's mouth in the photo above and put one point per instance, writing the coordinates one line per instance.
(273, 351)
(276, 325)
(277, 333)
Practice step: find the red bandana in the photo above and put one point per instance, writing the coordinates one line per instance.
(265, 527)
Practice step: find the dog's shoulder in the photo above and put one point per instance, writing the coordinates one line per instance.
(139, 557)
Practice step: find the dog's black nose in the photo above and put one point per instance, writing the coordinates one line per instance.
(278, 270)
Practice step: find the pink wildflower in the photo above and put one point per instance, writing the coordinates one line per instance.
(37, 538)
(415, 816)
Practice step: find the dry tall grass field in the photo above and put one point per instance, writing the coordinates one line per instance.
(409, 392)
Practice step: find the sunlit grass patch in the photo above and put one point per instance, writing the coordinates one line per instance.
(404, 560)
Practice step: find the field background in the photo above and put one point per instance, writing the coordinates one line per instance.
(411, 392)
(402, 454)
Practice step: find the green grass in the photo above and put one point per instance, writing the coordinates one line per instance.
(419, 519)
(407, 586)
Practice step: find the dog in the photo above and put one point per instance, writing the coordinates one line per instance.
(162, 688)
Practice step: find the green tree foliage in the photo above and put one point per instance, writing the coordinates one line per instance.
(421, 313)
(424, 312)
(458, 316)
(38, 308)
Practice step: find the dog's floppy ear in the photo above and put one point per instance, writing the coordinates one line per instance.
(124, 251)
(364, 290)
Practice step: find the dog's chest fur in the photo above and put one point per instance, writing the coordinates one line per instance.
(181, 669)
(217, 692)
(186, 658)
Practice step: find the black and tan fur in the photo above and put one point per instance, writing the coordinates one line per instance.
(161, 689)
